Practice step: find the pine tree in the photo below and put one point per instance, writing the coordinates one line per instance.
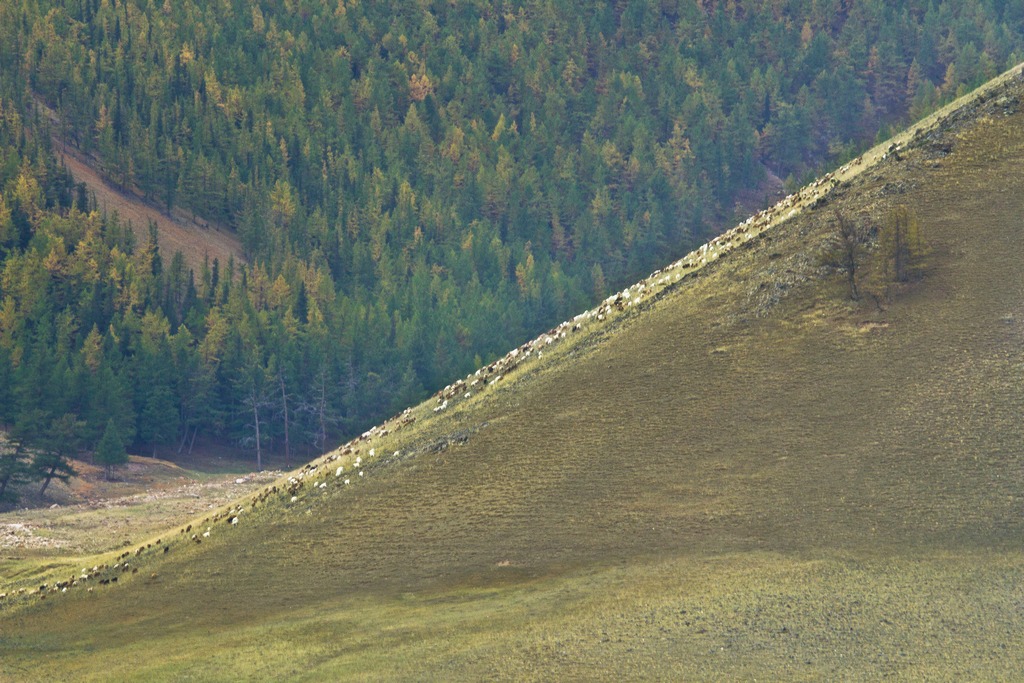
(110, 450)
(15, 469)
(52, 459)
(157, 409)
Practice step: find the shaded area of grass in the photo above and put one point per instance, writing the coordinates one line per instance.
(937, 617)
(726, 485)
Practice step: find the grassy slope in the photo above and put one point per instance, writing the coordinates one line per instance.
(720, 488)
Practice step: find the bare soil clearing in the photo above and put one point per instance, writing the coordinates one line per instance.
(196, 238)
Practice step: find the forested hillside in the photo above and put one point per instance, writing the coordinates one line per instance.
(418, 186)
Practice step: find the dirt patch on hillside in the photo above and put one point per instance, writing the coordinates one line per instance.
(196, 238)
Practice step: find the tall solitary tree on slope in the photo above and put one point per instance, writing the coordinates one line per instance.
(110, 451)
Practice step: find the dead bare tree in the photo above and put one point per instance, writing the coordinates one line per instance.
(846, 251)
(256, 400)
(284, 412)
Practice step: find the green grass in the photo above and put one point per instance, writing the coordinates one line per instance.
(722, 484)
(940, 617)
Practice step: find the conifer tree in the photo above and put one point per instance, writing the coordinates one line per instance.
(52, 460)
(15, 469)
(110, 450)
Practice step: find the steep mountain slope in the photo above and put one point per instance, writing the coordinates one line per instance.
(403, 176)
(746, 475)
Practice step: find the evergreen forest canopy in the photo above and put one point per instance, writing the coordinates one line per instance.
(418, 186)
